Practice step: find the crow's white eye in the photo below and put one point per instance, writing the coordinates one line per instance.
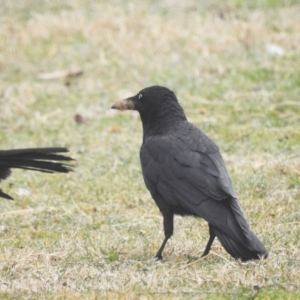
(140, 96)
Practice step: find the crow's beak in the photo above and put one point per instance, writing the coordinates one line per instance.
(125, 104)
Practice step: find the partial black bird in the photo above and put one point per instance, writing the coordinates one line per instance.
(186, 175)
(35, 159)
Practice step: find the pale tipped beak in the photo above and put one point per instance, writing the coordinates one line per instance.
(125, 104)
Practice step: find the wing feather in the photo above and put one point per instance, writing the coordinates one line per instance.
(194, 178)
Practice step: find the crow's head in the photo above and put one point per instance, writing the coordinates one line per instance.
(152, 103)
(146, 99)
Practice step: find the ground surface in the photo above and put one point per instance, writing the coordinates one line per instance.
(92, 234)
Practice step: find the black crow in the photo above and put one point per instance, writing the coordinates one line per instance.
(186, 175)
(35, 159)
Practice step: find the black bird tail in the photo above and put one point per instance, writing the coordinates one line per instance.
(36, 159)
(253, 248)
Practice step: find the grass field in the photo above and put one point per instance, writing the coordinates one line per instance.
(92, 234)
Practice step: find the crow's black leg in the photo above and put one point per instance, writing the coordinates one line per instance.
(168, 228)
(210, 241)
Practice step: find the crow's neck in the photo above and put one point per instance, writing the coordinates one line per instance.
(160, 120)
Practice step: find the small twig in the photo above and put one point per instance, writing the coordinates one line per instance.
(60, 74)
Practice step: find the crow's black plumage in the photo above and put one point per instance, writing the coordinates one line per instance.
(186, 175)
(35, 159)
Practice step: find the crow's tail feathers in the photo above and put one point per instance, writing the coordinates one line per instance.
(36, 159)
(252, 249)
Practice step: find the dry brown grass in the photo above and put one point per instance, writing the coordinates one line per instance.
(92, 234)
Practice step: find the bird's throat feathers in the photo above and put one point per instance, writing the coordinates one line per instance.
(162, 117)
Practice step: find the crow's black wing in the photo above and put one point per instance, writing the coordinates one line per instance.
(4, 172)
(186, 168)
(36, 159)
